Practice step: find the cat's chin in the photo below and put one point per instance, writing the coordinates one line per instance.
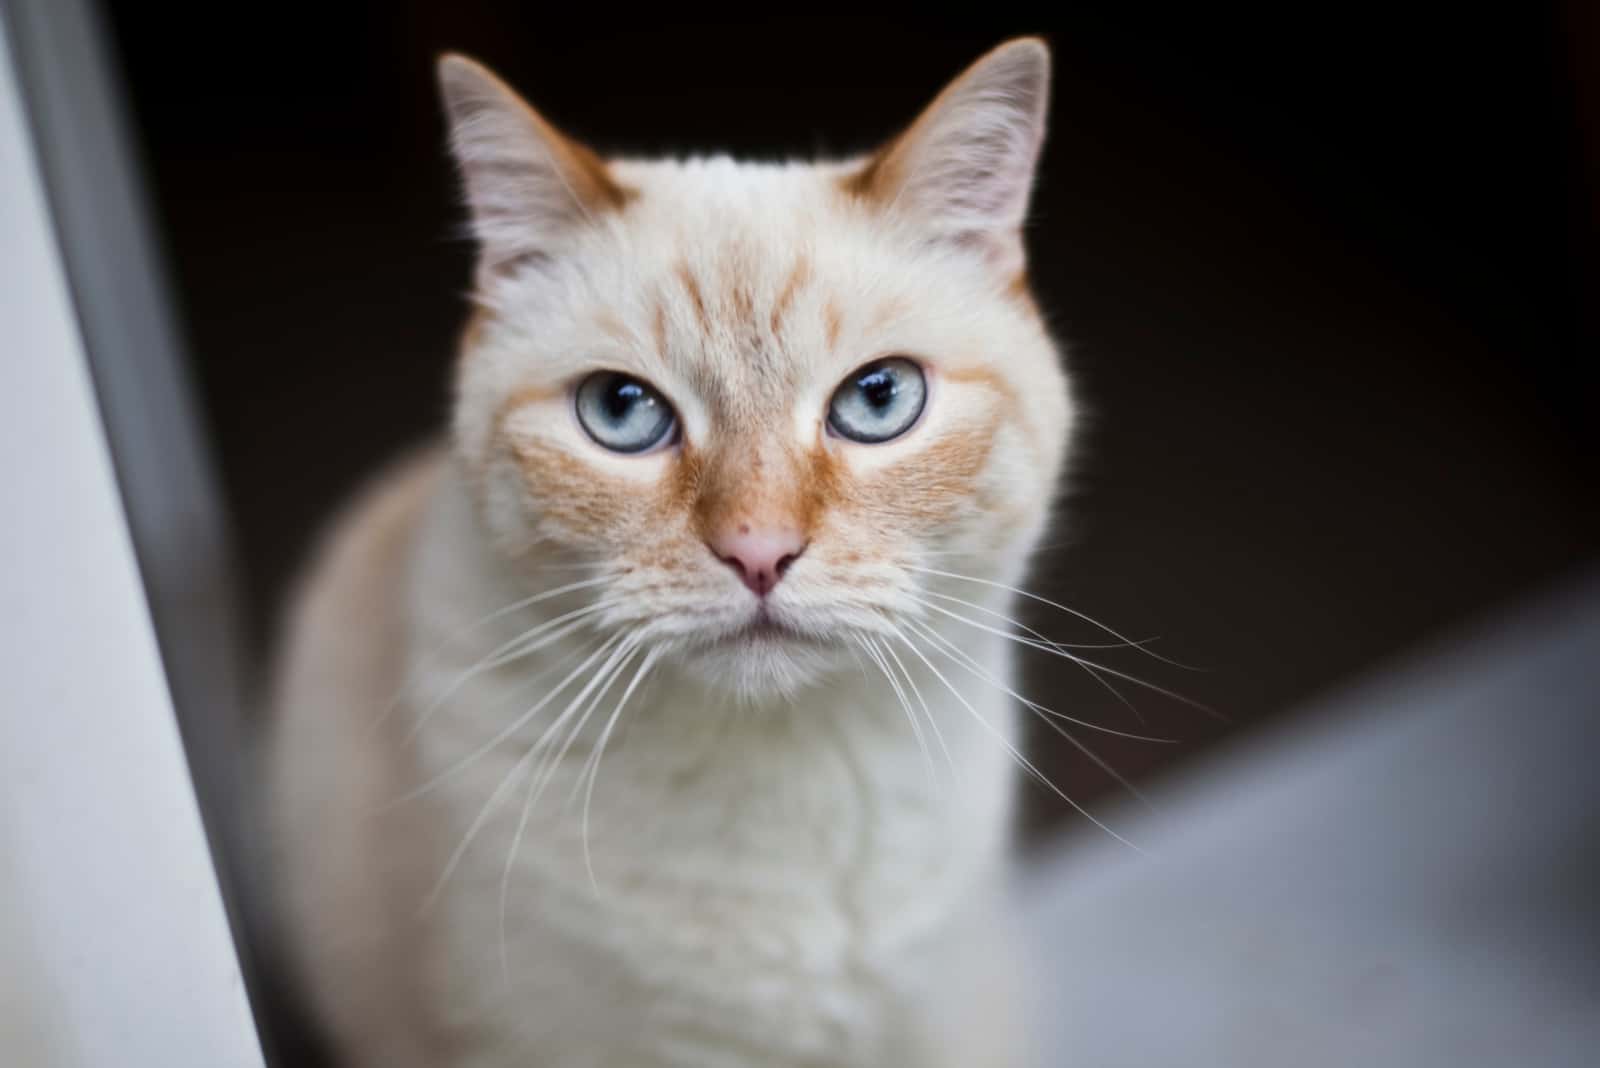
(759, 663)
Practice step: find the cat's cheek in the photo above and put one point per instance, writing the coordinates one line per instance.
(573, 500)
(502, 506)
(926, 486)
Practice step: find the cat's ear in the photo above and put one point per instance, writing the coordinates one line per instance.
(528, 185)
(964, 169)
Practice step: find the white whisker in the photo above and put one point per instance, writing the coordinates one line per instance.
(957, 653)
(535, 788)
(509, 730)
(1047, 716)
(1021, 760)
(457, 635)
(877, 658)
(986, 551)
(532, 641)
(587, 697)
(493, 802)
(525, 644)
(1053, 604)
(1060, 646)
(938, 735)
(505, 879)
(1088, 664)
(600, 685)
(472, 831)
(1037, 634)
(599, 752)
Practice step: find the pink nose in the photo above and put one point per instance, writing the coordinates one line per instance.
(759, 556)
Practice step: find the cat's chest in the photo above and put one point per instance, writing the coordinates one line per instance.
(800, 843)
(716, 870)
(797, 924)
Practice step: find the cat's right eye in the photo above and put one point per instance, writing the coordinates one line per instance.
(623, 413)
(878, 402)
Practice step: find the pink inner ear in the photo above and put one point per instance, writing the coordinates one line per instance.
(526, 182)
(1003, 250)
(967, 163)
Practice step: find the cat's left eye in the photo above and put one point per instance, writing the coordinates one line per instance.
(878, 402)
(623, 413)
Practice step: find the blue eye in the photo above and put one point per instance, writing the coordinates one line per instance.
(878, 402)
(623, 413)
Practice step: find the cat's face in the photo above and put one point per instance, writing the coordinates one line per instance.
(758, 399)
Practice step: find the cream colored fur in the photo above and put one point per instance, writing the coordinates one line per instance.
(707, 848)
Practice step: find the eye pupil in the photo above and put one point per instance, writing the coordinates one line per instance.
(879, 387)
(621, 397)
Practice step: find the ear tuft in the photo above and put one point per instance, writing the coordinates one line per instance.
(964, 169)
(527, 184)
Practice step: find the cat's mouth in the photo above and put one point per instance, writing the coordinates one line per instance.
(763, 655)
(764, 629)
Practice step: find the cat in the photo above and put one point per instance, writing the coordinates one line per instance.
(664, 715)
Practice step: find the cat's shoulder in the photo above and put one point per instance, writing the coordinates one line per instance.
(357, 565)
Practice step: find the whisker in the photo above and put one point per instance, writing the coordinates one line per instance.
(528, 642)
(1054, 646)
(1006, 550)
(1042, 647)
(493, 803)
(1153, 688)
(505, 879)
(986, 610)
(603, 679)
(1087, 725)
(1056, 605)
(563, 567)
(524, 644)
(606, 672)
(938, 735)
(457, 635)
(1021, 760)
(472, 832)
(512, 728)
(916, 728)
(599, 752)
(1047, 716)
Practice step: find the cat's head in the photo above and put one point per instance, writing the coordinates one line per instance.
(760, 401)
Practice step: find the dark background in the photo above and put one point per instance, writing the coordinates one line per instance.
(1325, 282)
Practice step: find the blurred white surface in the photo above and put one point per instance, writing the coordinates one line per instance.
(1410, 878)
(114, 949)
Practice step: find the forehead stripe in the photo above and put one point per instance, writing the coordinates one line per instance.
(686, 276)
(798, 277)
